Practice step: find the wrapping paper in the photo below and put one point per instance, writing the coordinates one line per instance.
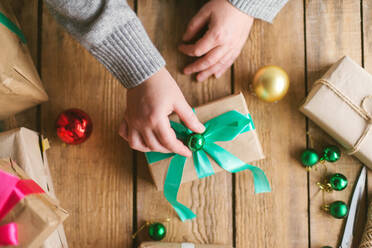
(179, 245)
(340, 119)
(24, 147)
(246, 146)
(20, 85)
(36, 216)
(366, 241)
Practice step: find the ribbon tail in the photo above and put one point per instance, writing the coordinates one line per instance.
(9, 234)
(233, 164)
(172, 185)
(202, 165)
(12, 27)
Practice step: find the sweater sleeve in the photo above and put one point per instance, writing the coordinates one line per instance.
(262, 9)
(111, 32)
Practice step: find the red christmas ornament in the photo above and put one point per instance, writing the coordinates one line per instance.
(74, 126)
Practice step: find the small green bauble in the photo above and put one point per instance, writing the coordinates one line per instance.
(309, 158)
(157, 231)
(326, 246)
(338, 181)
(196, 142)
(332, 154)
(338, 209)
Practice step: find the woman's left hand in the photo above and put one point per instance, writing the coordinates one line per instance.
(228, 30)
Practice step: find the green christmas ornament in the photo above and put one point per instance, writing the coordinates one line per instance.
(309, 158)
(332, 154)
(157, 231)
(196, 142)
(338, 181)
(326, 246)
(338, 209)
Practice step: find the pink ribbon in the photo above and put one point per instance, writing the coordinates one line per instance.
(13, 190)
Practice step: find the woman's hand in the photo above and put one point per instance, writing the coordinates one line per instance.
(146, 125)
(228, 29)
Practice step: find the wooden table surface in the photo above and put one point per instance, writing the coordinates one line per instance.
(106, 186)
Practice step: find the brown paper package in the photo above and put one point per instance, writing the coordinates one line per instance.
(335, 116)
(366, 241)
(246, 146)
(23, 146)
(178, 245)
(20, 85)
(37, 216)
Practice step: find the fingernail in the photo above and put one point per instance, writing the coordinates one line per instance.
(201, 128)
(186, 71)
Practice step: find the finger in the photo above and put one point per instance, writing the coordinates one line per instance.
(219, 66)
(123, 130)
(224, 68)
(184, 111)
(136, 142)
(207, 61)
(201, 47)
(152, 142)
(168, 139)
(196, 24)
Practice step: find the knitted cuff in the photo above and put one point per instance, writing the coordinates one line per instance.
(129, 54)
(262, 9)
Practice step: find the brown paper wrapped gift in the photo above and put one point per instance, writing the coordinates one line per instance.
(341, 103)
(179, 245)
(24, 146)
(20, 85)
(37, 215)
(246, 146)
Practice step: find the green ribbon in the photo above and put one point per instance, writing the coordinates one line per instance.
(225, 127)
(12, 27)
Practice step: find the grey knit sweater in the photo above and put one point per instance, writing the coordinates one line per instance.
(111, 31)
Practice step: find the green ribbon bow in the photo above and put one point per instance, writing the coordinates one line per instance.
(225, 127)
(12, 27)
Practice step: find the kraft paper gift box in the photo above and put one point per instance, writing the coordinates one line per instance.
(246, 146)
(24, 146)
(26, 208)
(20, 85)
(340, 102)
(179, 245)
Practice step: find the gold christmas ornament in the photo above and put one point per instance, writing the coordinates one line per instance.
(270, 83)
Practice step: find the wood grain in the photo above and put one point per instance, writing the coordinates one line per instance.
(95, 180)
(279, 218)
(26, 12)
(367, 45)
(332, 30)
(92, 180)
(209, 198)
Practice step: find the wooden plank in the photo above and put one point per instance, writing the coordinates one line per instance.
(92, 180)
(367, 42)
(209, 198)
(367, 31)
(279, 218)
(27, 15)
(332, 30)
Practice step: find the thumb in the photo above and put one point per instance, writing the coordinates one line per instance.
(188, 117)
